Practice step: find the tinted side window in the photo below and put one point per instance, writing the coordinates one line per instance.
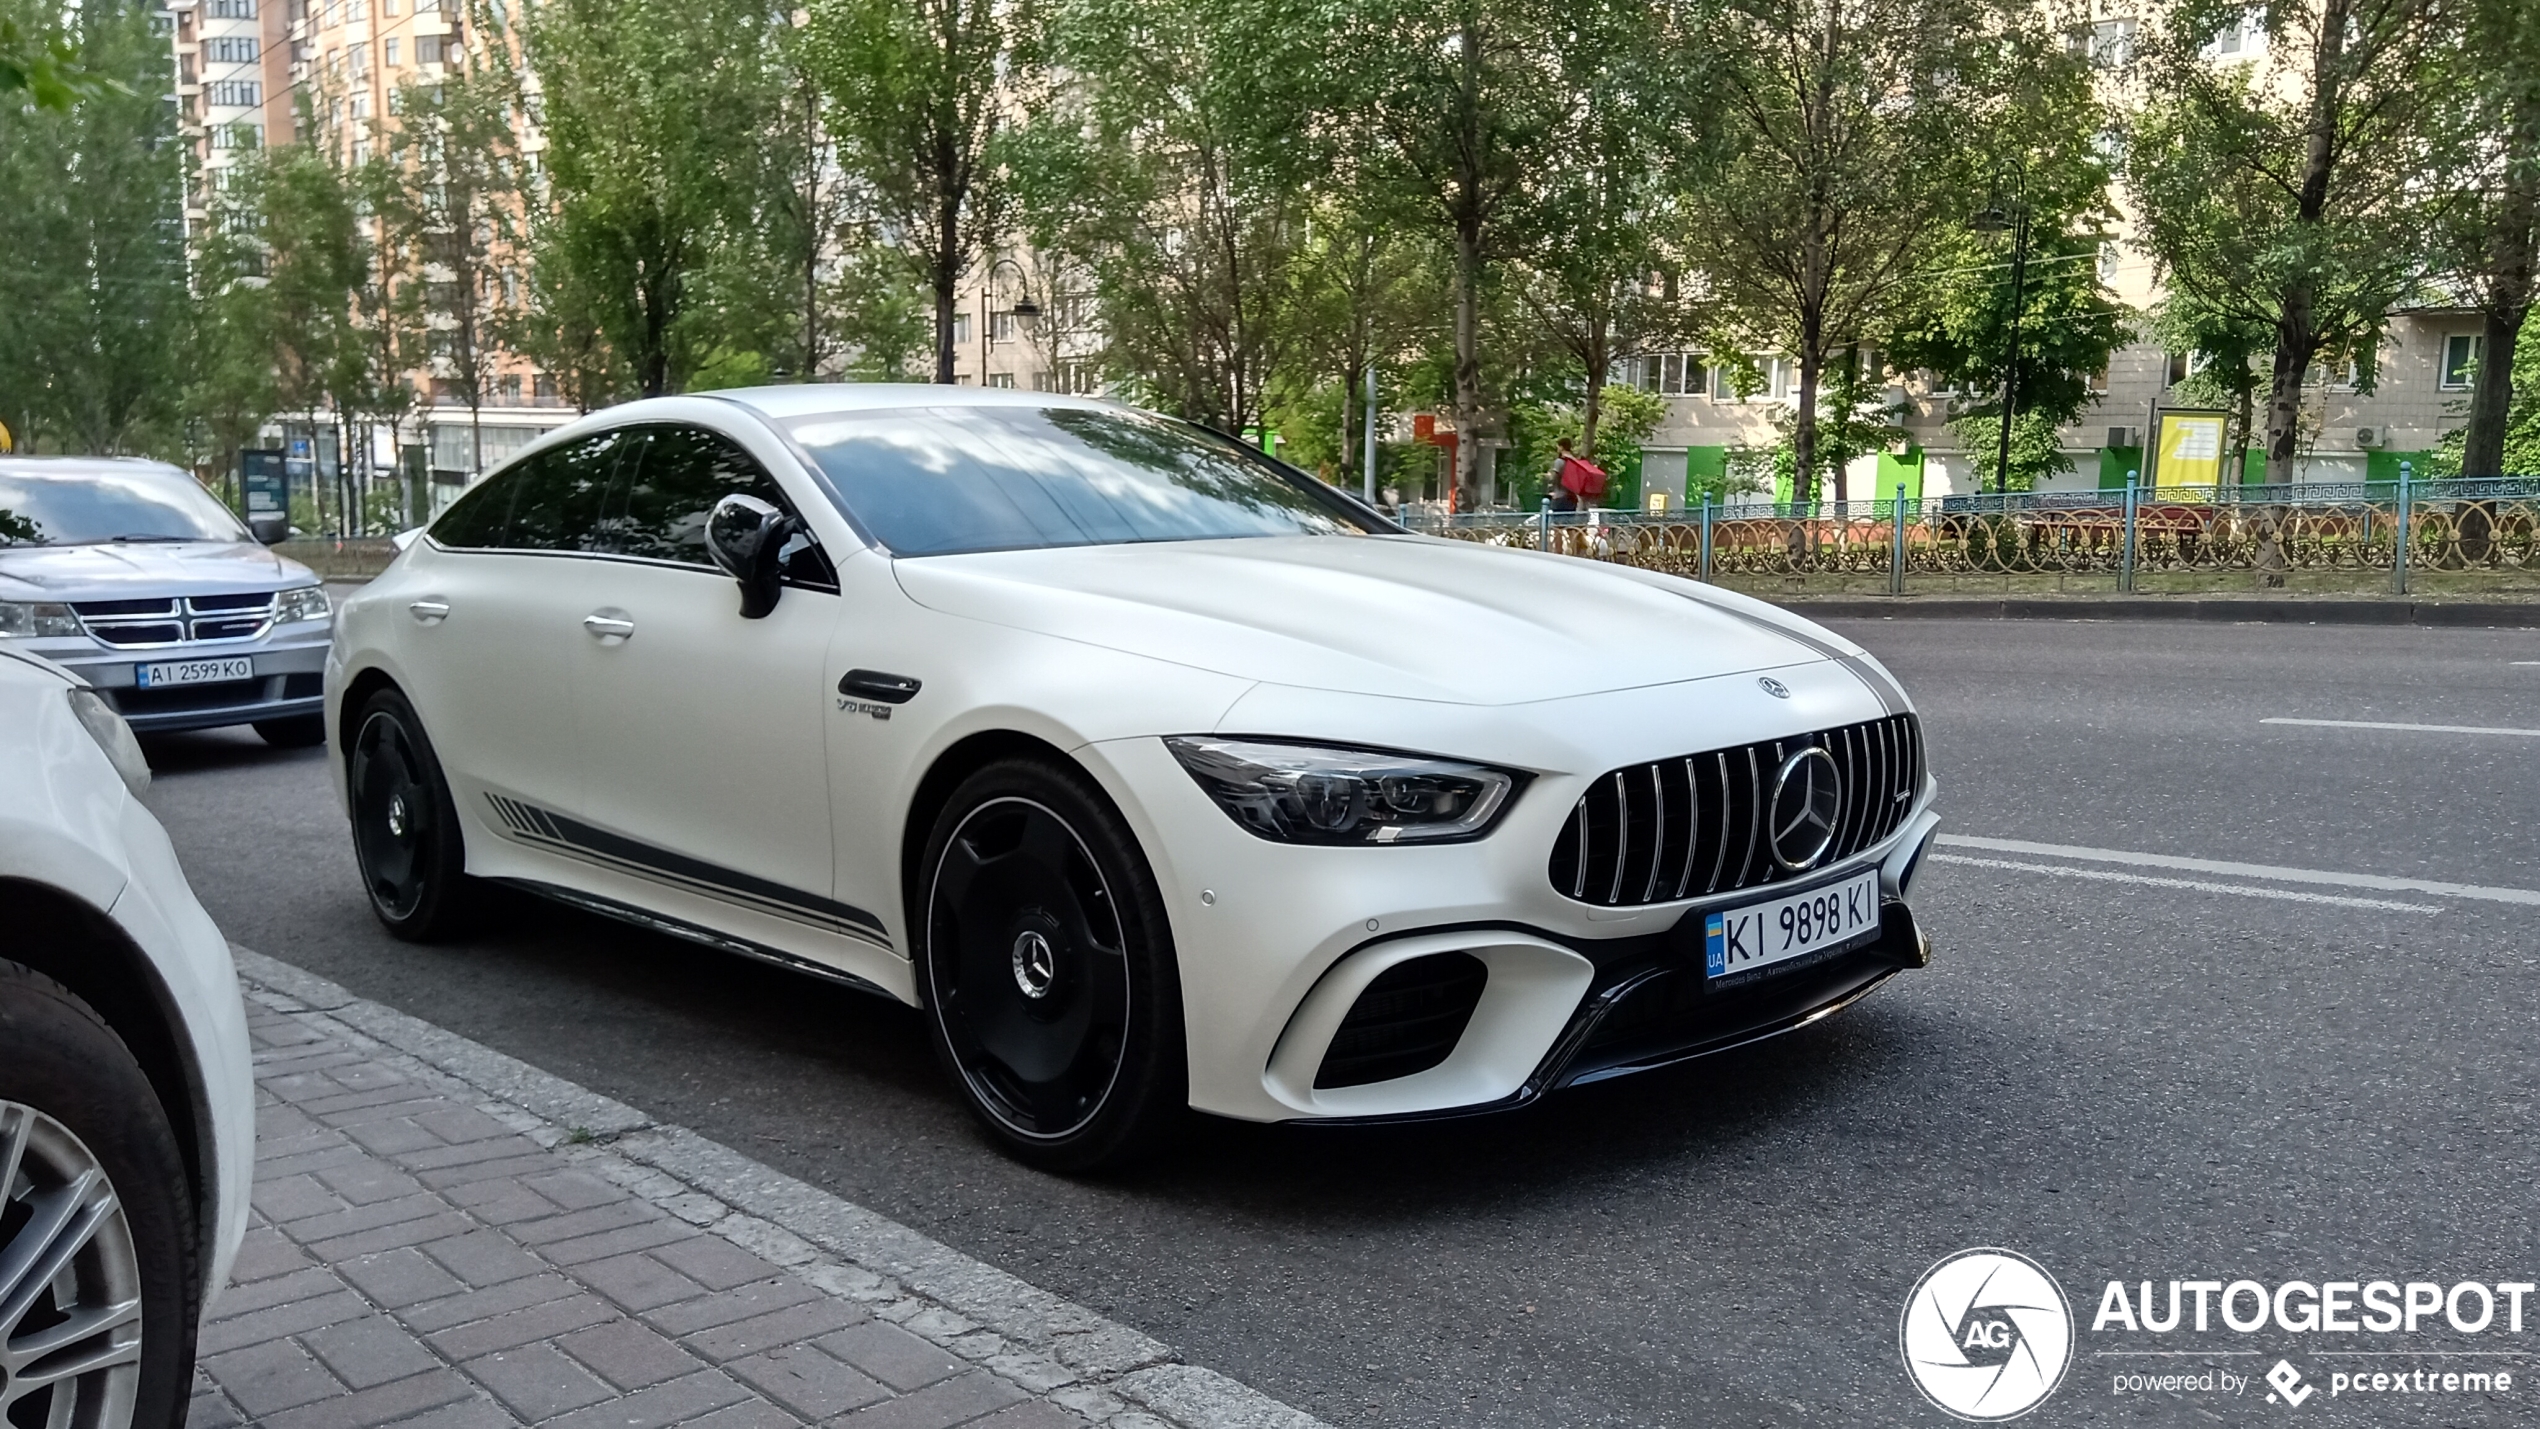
(660, 512)
(562, 492)
(476, 520)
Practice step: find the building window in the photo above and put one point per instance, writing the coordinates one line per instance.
(542, 388)
(1074, 379)
(388, 52)
(507, 389)
(2460, 361)
(237, 136)
(1001, 381)
(961, 327)
(230, 50)
(2176, 369)
(1001, 327)
(233, 9)
(235, 93)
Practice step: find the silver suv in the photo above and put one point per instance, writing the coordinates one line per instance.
(136, 579)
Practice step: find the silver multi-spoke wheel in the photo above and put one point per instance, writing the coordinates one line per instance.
(70, 1284)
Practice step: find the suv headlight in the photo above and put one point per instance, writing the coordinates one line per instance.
(18, 617)
(113, 736)
(1314, 794)
(308, 602)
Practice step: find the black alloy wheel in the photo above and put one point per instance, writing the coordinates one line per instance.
(406, 834)
(99, 1266)
(1048, 969)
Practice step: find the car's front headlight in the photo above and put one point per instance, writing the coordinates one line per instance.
(306, 603)
(113, 736)
(18, 617)
(1314, 794)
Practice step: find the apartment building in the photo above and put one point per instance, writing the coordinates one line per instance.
(1018, 322)
(233, 87)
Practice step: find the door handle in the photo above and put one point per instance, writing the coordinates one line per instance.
(609, 627)
(429, 612)
(877, 685)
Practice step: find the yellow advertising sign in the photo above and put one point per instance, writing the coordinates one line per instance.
(2191, 449)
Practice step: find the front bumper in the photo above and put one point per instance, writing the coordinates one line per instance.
(289, 678)
(1279, 944)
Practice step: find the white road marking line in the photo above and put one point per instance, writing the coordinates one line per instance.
(2245, 890)
(2247, 870)
(2410, 728)
(2527, 662)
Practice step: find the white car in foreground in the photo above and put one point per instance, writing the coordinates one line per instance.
(127, 1116)
(1160, 774)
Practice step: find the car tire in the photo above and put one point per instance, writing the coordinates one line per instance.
(406, 836)
(91, 1181)
(293, 731)
(1047, 968)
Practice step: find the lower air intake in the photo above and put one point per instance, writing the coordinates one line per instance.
(1408, 1020)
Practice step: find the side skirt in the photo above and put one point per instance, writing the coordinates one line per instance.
(690, 932)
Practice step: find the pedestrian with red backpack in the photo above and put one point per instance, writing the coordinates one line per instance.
(1577, 483)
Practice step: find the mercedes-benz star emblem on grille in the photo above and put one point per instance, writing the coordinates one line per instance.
(1773, 687)
(1807, 795)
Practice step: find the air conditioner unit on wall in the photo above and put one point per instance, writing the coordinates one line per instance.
(2123, 437)
(2368, 437)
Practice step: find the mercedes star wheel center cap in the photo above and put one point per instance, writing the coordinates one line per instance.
(1807, 797)
(1035, 964)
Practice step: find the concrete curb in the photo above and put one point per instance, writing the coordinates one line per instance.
(2252, 611)
(1094, 1366)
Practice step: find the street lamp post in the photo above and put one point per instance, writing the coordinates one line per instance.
(1995, 219)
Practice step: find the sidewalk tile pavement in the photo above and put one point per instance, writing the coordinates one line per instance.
(414, 1260)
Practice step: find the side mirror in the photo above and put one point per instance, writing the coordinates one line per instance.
(746, 537)
(271, 530)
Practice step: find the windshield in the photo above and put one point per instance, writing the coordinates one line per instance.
(932, 481)
(85, 508)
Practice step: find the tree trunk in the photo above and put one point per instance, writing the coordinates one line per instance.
(2510, 263)
(947, 275)
(1803, 427)
(1468, 364)
(2295, 344)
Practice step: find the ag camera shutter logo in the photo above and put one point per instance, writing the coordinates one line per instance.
(1986, 1334)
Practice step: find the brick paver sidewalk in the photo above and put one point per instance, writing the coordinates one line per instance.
(425, 1256)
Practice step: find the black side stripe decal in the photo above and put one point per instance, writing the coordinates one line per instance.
(542, 826)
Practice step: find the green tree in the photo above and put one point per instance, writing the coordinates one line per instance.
(657, 116)
(1459, 102)
(918, 91)
(93, 296)
(229, 388)
(1168, 171)
(1597, 205)
(449, 193)
(307, 219)
(2491, 247)
(1835, 165)
(2287, 164)
(2013, 307)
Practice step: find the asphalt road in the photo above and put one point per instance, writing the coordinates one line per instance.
(2124, 1080)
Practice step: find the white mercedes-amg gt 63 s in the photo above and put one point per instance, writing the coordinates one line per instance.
(1157, 773)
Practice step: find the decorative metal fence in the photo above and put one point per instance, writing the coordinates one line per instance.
(2182, 537)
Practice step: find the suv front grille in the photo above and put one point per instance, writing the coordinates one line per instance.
(1692, 826)
(172, 620)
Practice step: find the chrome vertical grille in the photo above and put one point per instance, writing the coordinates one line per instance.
(1691, 826)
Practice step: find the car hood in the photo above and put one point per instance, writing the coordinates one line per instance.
(135, 569)
(1410, 617)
